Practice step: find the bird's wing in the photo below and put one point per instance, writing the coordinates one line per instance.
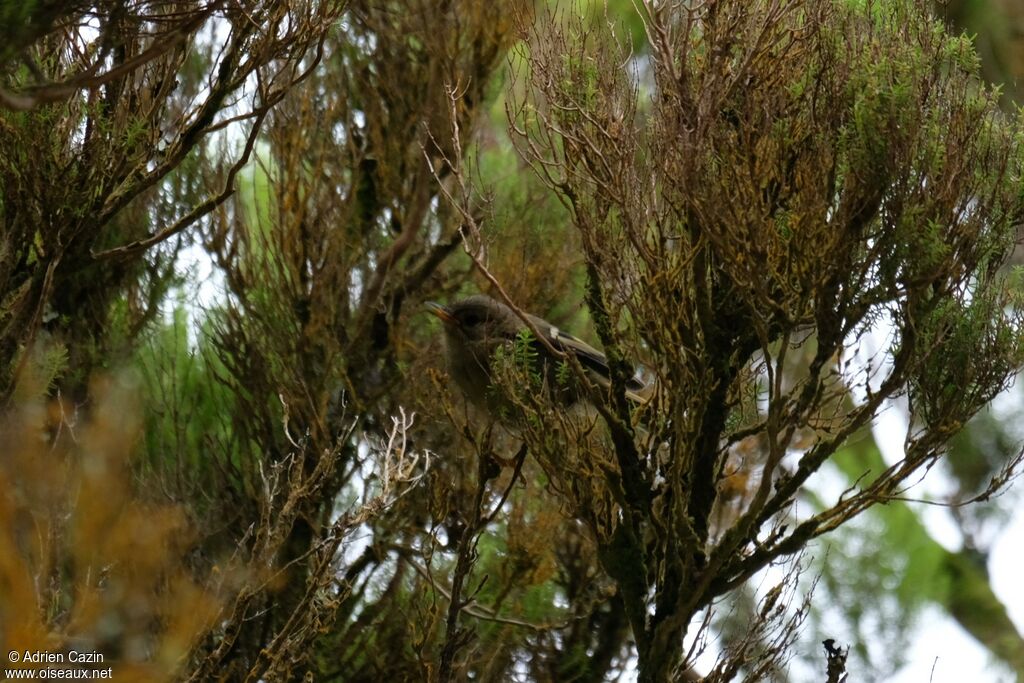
(636, 389)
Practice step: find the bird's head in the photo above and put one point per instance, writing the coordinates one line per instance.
(477, 319)
(474, 328)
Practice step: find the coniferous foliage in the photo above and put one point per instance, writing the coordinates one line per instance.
(804, 174)
(742, 198)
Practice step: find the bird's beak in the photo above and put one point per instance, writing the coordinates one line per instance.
(442, 312)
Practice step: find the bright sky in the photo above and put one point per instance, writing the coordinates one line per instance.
(942, 652)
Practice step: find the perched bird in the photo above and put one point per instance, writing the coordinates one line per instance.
(476, 327)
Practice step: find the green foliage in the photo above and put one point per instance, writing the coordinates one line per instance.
(525, 356)
(22, 22)
(970, 350)
(189, 410)
(563, 375)
(44, 365)
(739, 191)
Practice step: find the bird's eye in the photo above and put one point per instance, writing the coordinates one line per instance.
(471, 319)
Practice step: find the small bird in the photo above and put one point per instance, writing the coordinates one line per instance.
(477, 326)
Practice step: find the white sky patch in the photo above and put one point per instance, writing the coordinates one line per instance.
(1005, 564)
(942, 652)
